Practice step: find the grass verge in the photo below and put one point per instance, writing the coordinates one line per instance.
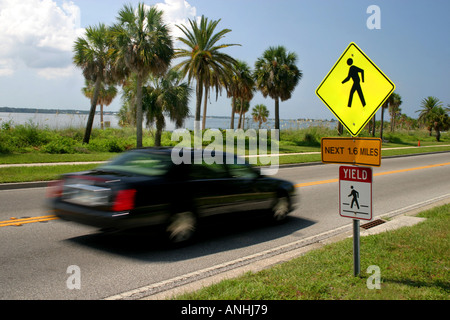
(412, 266)
(24, 158)
(28, 144)
(41, 173)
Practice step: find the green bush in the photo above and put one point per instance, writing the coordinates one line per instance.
(29, 135)
(60, 146)
(107, 145)
(4, 147)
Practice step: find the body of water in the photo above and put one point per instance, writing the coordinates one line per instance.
(62, 121)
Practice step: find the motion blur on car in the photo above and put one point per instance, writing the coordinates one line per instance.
(145, 188)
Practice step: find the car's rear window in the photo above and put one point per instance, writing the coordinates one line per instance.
(145, 163)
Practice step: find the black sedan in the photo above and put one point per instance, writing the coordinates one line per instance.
(144, 187)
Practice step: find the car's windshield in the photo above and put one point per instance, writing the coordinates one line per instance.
(144, 163)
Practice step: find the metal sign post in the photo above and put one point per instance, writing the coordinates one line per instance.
(355, 201)
(356, 256)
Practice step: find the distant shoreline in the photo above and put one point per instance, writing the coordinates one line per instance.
(47, 111)
(83, 112)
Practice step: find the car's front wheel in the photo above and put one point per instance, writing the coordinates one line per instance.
(182, 227)
(281, 208)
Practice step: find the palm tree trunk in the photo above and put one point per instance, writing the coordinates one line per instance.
(204, 108)
(277, 113)
(139, 118)
(373, 127)
(198, 105)
(340, 128)
(438, 132)
(240, 125)
(233, 110)
(101, 116)
(240, 121)
(87, 132)
(159, 129)
(392, 121)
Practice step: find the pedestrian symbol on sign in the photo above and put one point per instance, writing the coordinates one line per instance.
(353, 73)
(355, 195)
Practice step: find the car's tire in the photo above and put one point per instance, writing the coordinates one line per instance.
(181, 228)
(281, 208)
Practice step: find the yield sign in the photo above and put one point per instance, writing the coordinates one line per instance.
(355, 192)
(354, 89)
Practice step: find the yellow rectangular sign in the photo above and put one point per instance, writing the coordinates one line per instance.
(356, 151)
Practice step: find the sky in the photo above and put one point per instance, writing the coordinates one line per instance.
(411, 46)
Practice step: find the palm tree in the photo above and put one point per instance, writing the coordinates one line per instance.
(260, 114)
(383, 108)
(144, 46)
(242, 107)
(440, 121)
(161, 96)
(277, 76)
(394, 108)
(166, 96)
(106, 95)
(241, 89)
(425, 114)
(92, 53)
(127, 113)
(204, 61)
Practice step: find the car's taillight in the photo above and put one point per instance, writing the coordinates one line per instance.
(124, 200)
(55, 189)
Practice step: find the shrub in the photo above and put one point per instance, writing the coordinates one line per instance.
(4, 147)
(63, 145)
(29, 135)
(107, 145)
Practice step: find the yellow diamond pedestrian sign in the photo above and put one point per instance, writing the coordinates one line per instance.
(354, 89)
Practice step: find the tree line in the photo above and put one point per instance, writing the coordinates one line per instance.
(137, 53)
(432, 115)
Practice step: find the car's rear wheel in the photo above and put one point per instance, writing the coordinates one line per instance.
(281, 208)
(182, 227)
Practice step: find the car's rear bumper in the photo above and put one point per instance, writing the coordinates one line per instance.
(107, 219)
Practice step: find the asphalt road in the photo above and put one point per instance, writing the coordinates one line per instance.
(35, 257)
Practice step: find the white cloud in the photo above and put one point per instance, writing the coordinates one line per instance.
(39, 35)
(54, 73)
(177, 12)
(6, 67)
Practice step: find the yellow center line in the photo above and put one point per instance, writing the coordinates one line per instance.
(314, 183)
(412, 169)
(18, 222)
